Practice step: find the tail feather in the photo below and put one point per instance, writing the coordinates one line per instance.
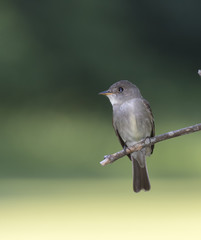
(140, 177)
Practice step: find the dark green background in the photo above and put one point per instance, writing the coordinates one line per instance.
(57, 55)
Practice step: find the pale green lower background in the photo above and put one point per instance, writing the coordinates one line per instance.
(99, 209)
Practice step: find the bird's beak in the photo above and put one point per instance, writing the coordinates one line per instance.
(107, 92)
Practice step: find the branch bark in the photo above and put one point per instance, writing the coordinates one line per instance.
(148, 142)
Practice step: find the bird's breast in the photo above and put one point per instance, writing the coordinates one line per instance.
(130, 121)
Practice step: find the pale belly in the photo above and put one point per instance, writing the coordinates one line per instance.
(132, 123)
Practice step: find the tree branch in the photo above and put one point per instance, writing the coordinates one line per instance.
(148, 142)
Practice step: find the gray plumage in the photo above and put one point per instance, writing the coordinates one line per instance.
(132, 121)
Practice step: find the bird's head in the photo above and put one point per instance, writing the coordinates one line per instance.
(121, 91)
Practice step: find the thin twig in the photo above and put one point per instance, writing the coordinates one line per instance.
(148, 142)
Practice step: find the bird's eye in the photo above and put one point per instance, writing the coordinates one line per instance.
(121, 89)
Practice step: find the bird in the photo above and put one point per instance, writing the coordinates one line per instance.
(132, 121)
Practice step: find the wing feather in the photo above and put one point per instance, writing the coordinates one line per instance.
(148, 108)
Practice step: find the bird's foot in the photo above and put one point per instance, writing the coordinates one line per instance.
(125, 147)
(147, 140)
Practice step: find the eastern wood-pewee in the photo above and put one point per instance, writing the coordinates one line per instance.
(132, 122)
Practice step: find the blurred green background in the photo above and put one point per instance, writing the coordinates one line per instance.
(55, 129)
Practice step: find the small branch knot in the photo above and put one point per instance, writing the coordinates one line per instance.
(171, 134)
